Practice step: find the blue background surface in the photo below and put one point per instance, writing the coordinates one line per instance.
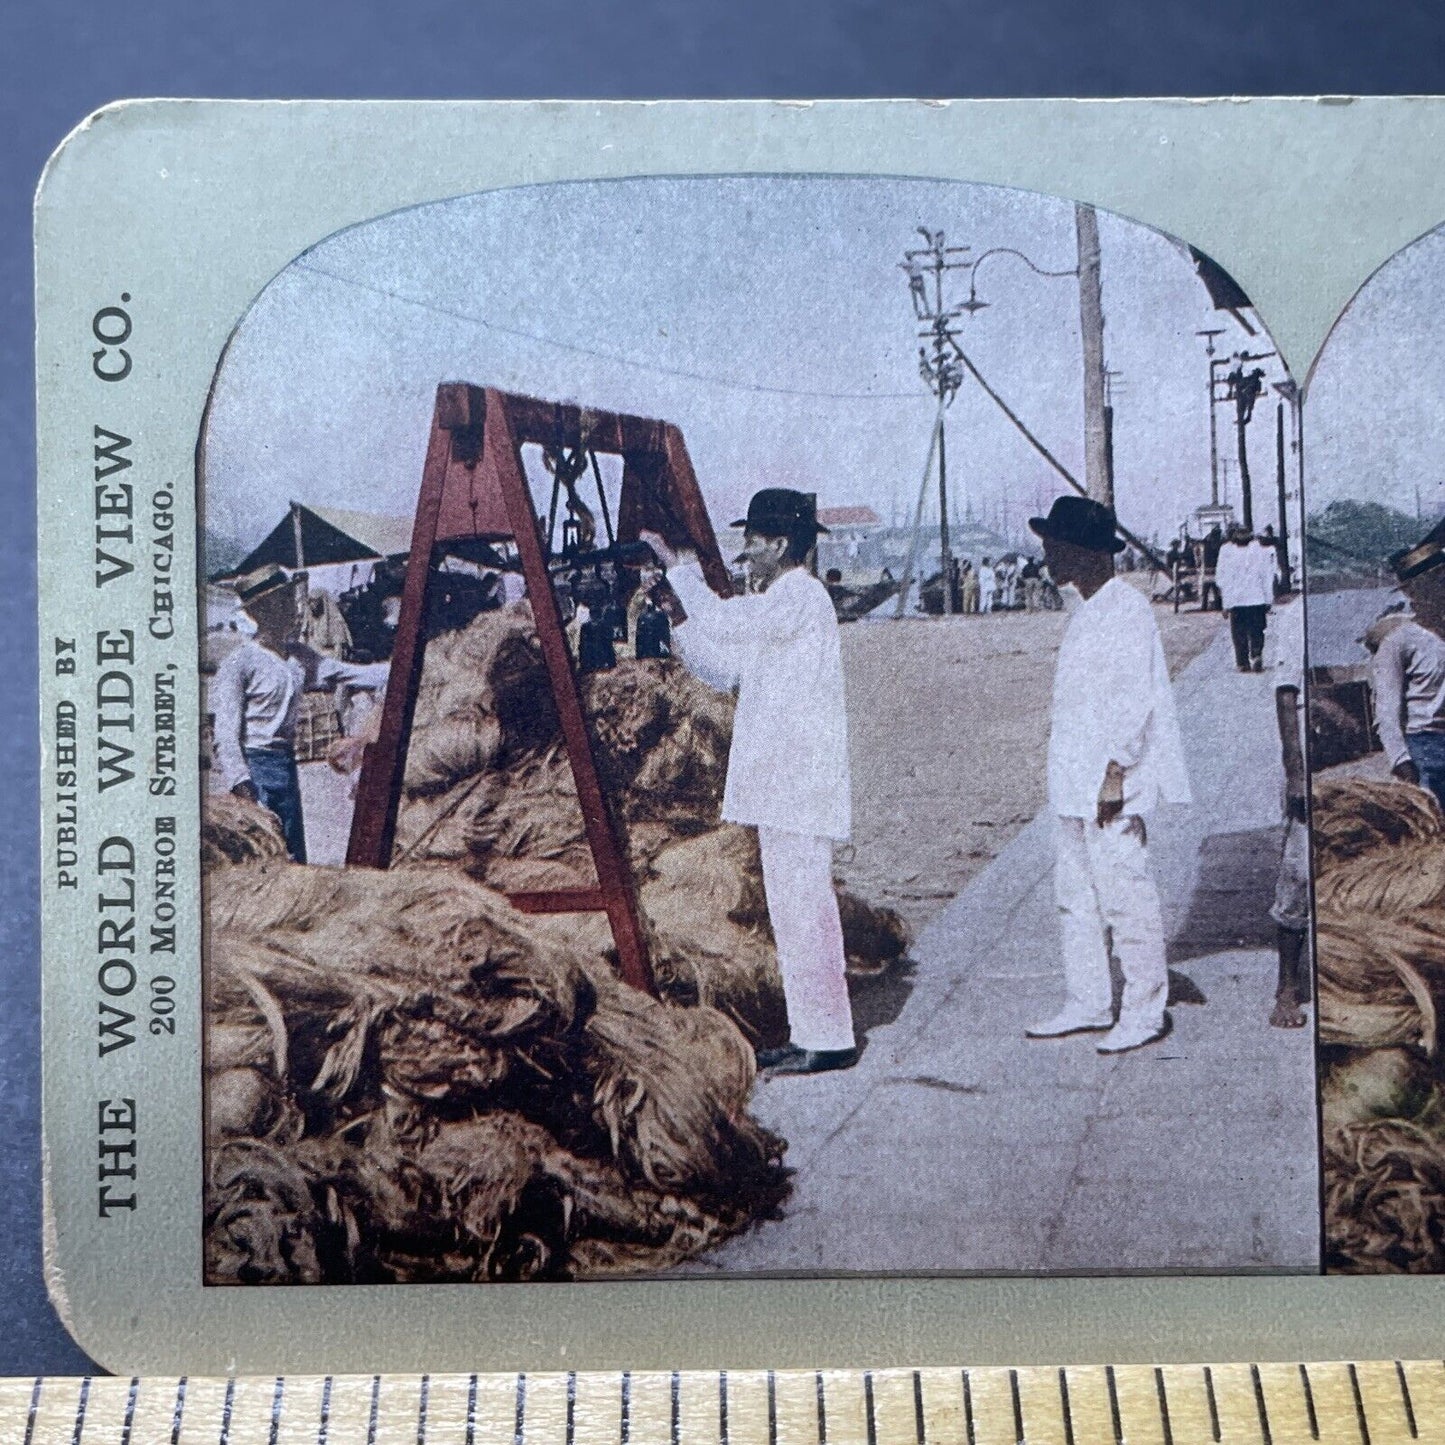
(61, 62)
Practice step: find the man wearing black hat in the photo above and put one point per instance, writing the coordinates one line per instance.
(1114, 752)
(788, 770)
(256, 695)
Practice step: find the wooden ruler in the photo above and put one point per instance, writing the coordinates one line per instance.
(1375, 1403)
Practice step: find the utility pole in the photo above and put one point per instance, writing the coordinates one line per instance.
(1244, 390)
(938, 364)
(1097, 479)
(1213, 423)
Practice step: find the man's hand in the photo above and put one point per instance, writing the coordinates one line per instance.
(246, 791)
(1111, 794)
(1407, 772)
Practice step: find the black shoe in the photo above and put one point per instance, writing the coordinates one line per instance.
(770, 1058)
(815, 1061)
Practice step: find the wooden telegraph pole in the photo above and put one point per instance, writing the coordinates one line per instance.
(1098, 480)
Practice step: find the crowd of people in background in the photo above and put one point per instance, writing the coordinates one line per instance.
(1011, 583)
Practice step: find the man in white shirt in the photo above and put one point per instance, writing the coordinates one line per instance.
(1114, 752)
(1244, 575)
(788, 773)
(256, 695)
(987, 585)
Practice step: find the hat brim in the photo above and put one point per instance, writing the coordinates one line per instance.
(743, 523)
(1040, 527)
(1413, 562)
(276, 584)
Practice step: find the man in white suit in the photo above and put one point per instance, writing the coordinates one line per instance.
(788, 770)
(1114, 752)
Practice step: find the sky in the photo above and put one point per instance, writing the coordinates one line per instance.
(766, 316)
(1374, 404)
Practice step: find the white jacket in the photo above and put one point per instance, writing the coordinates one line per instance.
(1113, 702)
(788, 767)
(1245, 575)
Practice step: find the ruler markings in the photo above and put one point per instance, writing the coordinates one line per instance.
(1386, 1402)
(99, 1420)
(226, 1408)
(130, 1399)
(1163, 1397)
(1258, 1386)
(179, 1411)
(1427, 1398)
(1359, 1404)
(991, 1408)
(1389, 1407)
(276, 1410)
(30, 1416)
(1405, 1399)
(80, 1411)
(1042, 1406)
(1114, 1421)
(1213, 1403)
(1314, 1419)
(323, 1418)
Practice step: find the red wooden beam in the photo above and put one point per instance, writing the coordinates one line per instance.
(504, 462)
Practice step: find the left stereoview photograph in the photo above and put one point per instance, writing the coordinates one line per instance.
(751, 726)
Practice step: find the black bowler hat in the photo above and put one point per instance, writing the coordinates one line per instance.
(1424, 556)
(1082, 521)
(780, 511)
(255, 585)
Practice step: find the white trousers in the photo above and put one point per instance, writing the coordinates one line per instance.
(803, 909)
(1106, 896)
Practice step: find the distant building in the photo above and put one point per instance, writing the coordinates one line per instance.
(851, 543)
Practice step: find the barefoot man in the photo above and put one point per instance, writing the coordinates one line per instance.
(788, 766)
(1114, 752)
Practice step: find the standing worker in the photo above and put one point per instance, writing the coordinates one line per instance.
(1114, 752)
(788, 770)
(987, 585)
(1245, 577)
(256, 695)
(1407, 674)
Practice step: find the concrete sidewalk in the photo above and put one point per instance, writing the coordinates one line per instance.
(958, 1145)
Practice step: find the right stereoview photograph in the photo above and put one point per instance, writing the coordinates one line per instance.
(1375, 549)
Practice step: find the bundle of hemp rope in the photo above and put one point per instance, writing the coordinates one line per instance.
(1379, 859)
(489, 789)
(406, 1081)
